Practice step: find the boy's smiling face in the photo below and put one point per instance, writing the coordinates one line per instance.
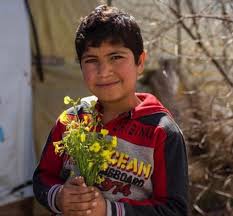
(110, 71)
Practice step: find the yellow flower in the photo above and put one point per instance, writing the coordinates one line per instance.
(83, 137)
(87, 129)
(85, 118)
(104, 166)
(73, 124)
(100, 179)
(95, 147)
(106, 154)
(104, 132)
(114, 141)
(94, 151)
(67, 100)
(64, 118)
(57, 146)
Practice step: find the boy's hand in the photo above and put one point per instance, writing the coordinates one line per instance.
(101, 207)
(75, 198)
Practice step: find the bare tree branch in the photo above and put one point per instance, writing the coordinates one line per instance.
(225, 18)
(202, 46)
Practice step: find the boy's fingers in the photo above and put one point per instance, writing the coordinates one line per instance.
(81, 198)
(79, 189)
(77, 194)
(80, 213)
(78, 180)
(84, 206)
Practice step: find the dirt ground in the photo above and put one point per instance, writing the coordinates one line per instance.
(26, 207)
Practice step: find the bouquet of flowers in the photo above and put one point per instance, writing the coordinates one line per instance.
(90, 151)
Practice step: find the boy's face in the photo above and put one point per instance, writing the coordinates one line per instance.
(110, 71)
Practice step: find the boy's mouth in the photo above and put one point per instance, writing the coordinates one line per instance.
(107, 84)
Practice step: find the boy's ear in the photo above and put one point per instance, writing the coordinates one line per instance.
(141, 62)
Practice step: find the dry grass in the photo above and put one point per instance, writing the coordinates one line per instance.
(209, 137)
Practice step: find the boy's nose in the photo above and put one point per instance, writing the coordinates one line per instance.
(104, 69)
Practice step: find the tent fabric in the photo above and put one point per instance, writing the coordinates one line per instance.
(17, 159)
(56, 22)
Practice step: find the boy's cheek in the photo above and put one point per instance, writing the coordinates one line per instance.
(87, 76)
(87, 82)
(88, 79)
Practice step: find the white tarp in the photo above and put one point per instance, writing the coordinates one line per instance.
(17, 159)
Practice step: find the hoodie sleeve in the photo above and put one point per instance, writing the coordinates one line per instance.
(47, 179)
(170, 179)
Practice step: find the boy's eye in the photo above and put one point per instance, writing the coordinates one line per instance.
(115, 57)
(90, 61)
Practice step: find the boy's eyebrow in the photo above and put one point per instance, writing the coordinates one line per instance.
(116, 52)
(109, 54)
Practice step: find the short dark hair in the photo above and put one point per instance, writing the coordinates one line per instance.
(109, 24)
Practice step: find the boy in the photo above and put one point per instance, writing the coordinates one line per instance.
(150, 175)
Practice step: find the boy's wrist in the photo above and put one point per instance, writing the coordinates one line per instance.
(57, 199)
(53, 198)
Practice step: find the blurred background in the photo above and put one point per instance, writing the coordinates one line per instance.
(189, 68)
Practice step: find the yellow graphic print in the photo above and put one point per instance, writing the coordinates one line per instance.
(139, 168)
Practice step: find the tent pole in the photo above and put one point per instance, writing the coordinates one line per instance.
(36, 40)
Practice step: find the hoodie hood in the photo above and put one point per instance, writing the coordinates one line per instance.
(149, 105)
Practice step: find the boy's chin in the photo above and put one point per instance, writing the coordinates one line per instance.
(110, 99)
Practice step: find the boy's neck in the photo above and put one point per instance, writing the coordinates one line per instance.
(113, 109)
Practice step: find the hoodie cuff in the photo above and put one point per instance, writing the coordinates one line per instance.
(115, 208)
(52, 198)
